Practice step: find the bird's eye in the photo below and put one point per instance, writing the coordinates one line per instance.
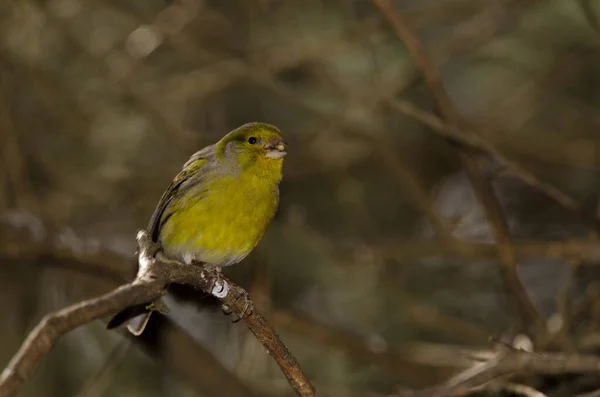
(252, 140)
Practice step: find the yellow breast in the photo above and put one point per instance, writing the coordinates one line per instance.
(225, 223)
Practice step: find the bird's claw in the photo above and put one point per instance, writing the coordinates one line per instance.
(246, 312)
(217, 286)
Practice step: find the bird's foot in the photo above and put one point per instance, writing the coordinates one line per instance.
(218, 287)
(248, 306)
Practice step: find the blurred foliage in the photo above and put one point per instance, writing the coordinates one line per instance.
(102, 101)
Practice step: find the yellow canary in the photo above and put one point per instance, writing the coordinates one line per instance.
(217, 208)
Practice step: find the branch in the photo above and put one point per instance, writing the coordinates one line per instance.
(590, 15)
(450, 127)
(587, 251)
(516, 389)
(509, 362)
(474, 141)
(153, 278)
(402, 364)
(415, 191)
(479, 180)
(13, 156)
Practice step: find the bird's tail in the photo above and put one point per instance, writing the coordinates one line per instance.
(137, 324)
(136, 317)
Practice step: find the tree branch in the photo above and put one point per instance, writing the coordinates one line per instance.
(153, 277)
(479, 180)
(587, 251)
(511, 361)
(474, 141)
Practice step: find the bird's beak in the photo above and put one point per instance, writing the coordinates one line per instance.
(276, 148)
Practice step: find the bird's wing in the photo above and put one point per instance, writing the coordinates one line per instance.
(190, 174)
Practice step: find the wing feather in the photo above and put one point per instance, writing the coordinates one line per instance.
(190, 175)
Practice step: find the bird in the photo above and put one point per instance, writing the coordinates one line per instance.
(217, 208)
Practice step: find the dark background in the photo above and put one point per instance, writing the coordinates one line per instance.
(102, 101)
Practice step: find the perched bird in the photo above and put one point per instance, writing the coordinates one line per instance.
(217, 208)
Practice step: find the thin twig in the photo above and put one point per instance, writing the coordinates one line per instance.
(152, 280)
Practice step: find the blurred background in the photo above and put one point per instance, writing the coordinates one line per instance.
(381, 269)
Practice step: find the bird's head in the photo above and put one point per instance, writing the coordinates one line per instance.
(256, 146)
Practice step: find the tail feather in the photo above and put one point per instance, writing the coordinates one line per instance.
(137, 324)
(136, 318)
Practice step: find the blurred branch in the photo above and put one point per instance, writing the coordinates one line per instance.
(515, 389)
(586, 250)
(526, 310)
(154, 275)
(416, 192)
(473, 140)
(590, 14)
(565, 309)
(104, 264)
(14, 159)
(511, 362)
(479, 180)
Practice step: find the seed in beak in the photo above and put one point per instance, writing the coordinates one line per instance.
(276, 148)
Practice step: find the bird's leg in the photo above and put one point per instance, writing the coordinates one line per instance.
(216, 271)
(220, 288)
(217, 286)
